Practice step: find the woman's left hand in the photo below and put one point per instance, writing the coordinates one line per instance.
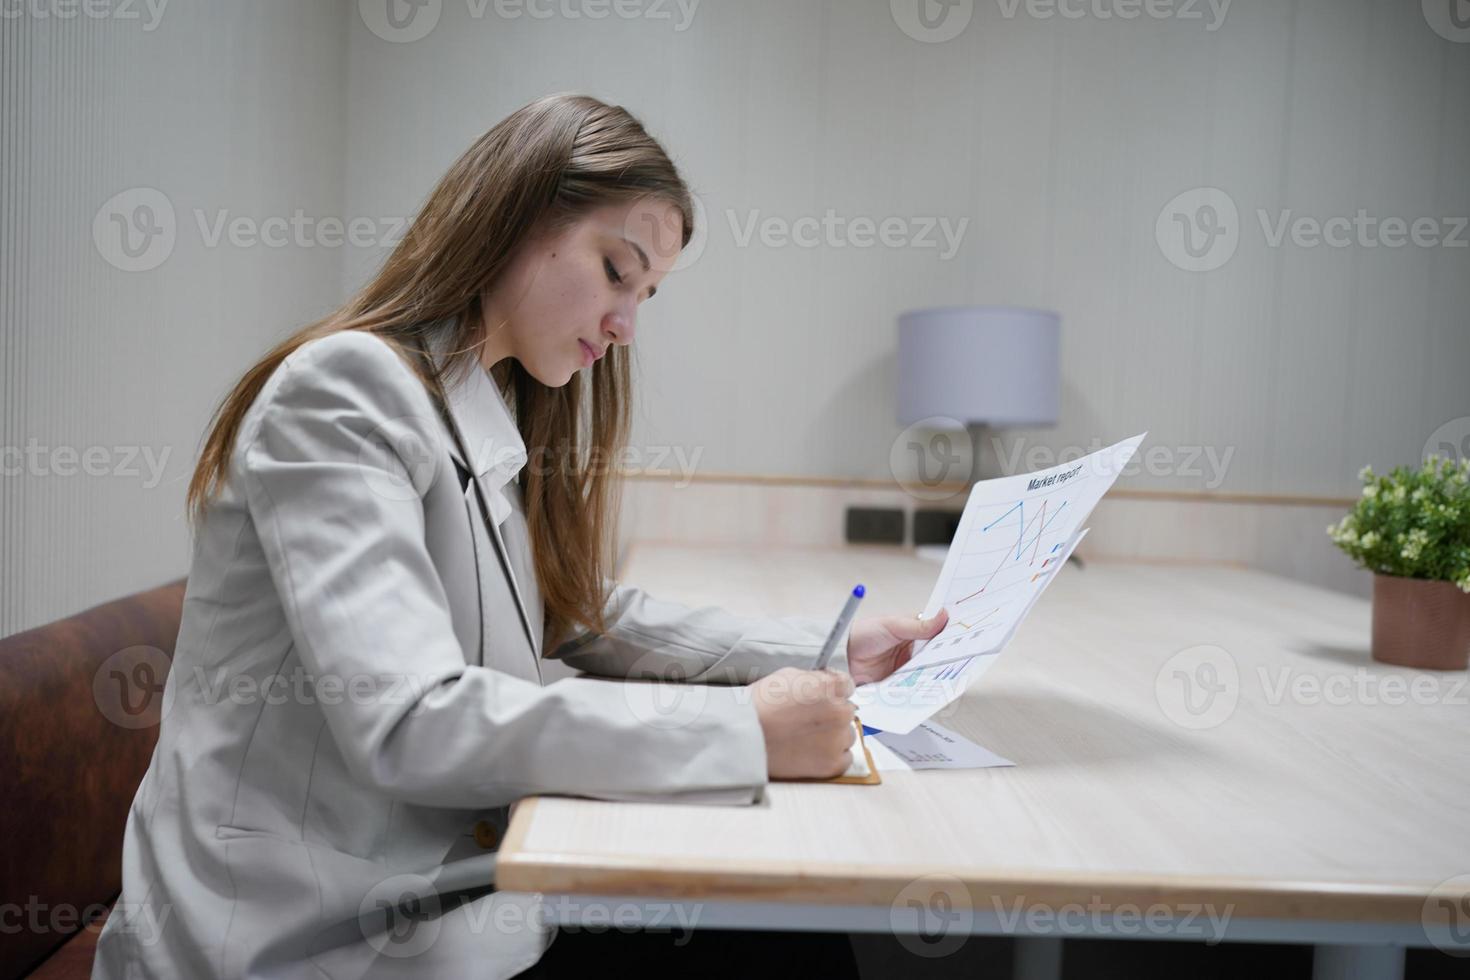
(879, 645)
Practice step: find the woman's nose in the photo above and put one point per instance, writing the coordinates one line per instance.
(618, 327)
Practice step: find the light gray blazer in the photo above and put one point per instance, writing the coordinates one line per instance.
(359, 692)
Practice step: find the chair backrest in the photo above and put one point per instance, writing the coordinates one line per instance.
(79, 706)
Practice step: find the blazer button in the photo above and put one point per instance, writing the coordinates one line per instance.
(486, 835)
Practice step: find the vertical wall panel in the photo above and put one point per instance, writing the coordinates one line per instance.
(221, 108)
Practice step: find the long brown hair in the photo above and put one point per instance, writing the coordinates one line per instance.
(538, 170)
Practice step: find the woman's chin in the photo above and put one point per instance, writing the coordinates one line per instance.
(552, 379)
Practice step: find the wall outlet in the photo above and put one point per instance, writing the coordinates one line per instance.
(874, 525)
(935, 526)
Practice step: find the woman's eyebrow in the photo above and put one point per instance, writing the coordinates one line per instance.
(642, 256)
(642, 260)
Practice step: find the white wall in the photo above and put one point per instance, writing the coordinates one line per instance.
(1061, 140)
(219, 107)
(1058, 140)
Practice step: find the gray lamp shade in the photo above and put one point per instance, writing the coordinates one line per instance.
(990, 365)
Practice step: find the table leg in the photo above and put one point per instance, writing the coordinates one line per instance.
(1358, 962)
(1037, 958)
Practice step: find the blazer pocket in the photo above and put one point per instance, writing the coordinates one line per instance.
(228, 832)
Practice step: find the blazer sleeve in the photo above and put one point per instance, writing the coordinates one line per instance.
(365, 606)
(660, 639)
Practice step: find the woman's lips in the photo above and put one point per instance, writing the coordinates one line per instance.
(588, 354)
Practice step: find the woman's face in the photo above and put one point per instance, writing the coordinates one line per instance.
(568, 297)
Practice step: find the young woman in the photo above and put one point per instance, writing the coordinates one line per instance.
(402, 512)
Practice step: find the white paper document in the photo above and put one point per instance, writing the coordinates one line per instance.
(1016, 532)
(932, 746)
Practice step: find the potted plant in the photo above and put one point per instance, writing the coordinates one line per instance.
(1411, 528)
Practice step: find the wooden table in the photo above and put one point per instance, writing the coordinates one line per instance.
(1202, 752)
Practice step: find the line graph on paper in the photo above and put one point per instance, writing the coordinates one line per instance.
(1015, 534)
(1005, 555)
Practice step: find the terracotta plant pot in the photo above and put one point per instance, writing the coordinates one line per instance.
(1420, 623)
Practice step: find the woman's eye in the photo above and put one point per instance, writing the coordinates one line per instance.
(612, 273)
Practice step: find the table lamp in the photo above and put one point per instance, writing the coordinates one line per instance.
(980, 368)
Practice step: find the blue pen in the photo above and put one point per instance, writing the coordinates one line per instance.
(843, 618)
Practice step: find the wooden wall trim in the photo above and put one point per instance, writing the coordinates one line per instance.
(1122, 493)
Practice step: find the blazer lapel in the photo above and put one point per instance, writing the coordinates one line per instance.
(496, 539)
(475, 410)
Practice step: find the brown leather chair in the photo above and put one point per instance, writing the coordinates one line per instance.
(79, 707)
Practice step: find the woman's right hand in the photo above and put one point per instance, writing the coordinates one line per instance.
(807, 721)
